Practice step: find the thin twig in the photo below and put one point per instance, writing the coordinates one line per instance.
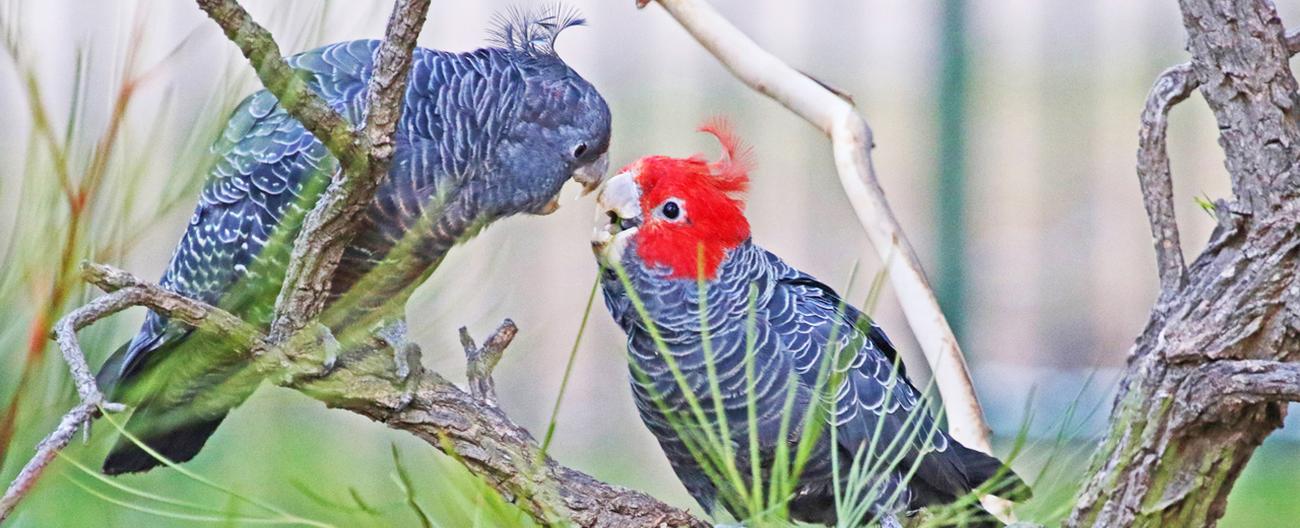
(126, 291)
(481, 361)
(45, 453)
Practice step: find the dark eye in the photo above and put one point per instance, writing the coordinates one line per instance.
(672, 210)
(579, 150)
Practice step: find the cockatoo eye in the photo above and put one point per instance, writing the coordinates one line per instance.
(672, 210)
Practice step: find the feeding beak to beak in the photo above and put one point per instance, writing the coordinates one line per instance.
(618, 216)
(589, 176)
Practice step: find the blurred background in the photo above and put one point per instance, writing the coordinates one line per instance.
(1005, 136)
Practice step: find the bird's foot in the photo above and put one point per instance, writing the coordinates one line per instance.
(97, 406)
(330, 349)
(406, 356)
(890, 521)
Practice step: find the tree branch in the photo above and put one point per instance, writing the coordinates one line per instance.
(1206, 379)
(1221, 389)
(1172, 87)
(331, 223)
(448, 418)
(481, 361)
(126, 291)
(259, 47)
(851, 144)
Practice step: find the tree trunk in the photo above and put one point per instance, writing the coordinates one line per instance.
(1208, 378)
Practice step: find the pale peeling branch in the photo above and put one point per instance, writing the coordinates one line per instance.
(851, 143)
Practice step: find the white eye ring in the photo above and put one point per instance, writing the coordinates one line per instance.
(672, 210)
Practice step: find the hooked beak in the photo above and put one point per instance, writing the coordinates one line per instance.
(589, 176)
(592, 174)
(618, 216)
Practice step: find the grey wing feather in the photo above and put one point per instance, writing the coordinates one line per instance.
(264, 158)
(876, 404)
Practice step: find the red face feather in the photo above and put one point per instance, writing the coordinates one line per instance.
(693, 210)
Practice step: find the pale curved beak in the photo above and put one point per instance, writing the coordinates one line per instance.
(592, 174)
(618, 216)
(589, 176)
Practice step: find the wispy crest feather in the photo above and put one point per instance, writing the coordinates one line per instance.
(731, 172)
(534, 30)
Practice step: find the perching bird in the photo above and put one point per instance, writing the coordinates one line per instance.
(482, 135)
(672, 225)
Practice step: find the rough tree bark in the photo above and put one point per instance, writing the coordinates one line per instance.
(1208, 378)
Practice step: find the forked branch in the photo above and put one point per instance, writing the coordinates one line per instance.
(481, 361)
(1173, 86)
(126, 291)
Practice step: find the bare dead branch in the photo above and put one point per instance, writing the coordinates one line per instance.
(126, 291)
(481, 361)
(492, 446)
(169, 303)
(481, 435)
(45, 453)
(851, 144)
(1172, 87)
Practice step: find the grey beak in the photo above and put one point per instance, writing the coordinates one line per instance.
(592, 174)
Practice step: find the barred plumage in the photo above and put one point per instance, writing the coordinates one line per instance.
(796, 317)
(675, 228)
(482, 135)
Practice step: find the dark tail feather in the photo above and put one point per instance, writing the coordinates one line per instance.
(110, 373)
(178, 399)
(178, 445)
(981, 468)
